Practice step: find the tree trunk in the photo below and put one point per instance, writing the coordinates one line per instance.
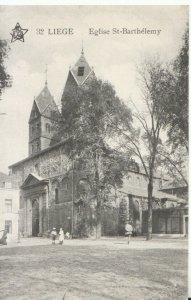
(150, 222)
(98, 197)
(98, 220)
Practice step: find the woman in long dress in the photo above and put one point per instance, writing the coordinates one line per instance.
(61, 236)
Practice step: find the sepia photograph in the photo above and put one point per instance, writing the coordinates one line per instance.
(94, 152)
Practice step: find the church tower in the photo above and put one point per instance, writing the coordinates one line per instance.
(42, 121)
(78, 74)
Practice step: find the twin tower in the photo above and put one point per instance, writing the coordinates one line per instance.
(44, 109)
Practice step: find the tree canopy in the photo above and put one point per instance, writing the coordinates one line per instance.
(87, 114)
(176, 106)
(5, 78)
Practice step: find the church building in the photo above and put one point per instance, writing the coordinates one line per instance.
(51, 185)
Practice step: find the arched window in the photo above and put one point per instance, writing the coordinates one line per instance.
(37, 147)
(65, 183)
(36, 168)
(37, 127)
(55, 194)
(47, 127)
(83, 188)
(138, 180)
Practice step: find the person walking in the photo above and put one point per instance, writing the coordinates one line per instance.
(61, 236)
(128, 231)
(53, 234)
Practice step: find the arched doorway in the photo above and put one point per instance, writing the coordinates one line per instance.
(35, 217)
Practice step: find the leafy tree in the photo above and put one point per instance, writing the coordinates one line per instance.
(174, 153)
(86, 114)
(5, 78)
(175, 163)
(146, 140)
(176, 106)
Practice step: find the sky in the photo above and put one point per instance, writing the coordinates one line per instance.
(115, 57)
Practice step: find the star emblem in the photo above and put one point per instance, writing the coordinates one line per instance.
(18, 33)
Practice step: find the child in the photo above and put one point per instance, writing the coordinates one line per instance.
(68, 235)
(54, 234)
(61, 236)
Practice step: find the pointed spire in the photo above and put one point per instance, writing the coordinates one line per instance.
(82, 52)
(46, 71)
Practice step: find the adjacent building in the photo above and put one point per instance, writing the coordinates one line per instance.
(9, 206)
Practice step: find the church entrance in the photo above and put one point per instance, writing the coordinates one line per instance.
(35, 217)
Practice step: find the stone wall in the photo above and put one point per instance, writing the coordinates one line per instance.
(46, 164)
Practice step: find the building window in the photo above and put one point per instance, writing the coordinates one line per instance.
(7, 185)
(37, 127)
(8, 205)
(80, 71)
(32, 130)
(47, 127)
(32, 149)
(37, 146)
(65, 183)
(138, 180)
(56, 196)
(36, 168)
(8, 226)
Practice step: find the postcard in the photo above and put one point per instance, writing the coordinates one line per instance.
(94, 152)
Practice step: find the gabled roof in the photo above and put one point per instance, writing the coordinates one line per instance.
(87, 70)
(33, 179)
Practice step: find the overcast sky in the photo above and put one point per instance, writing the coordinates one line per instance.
(113, 56)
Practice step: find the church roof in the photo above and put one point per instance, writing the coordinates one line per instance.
(143, 192)
(81, 70)
(171, 186)
(44, 100)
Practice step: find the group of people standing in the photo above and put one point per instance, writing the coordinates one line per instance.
(60, 236)
(128, 234)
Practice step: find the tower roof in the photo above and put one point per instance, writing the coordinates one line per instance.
(44, 103)
(81, 70)
(44, 99)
